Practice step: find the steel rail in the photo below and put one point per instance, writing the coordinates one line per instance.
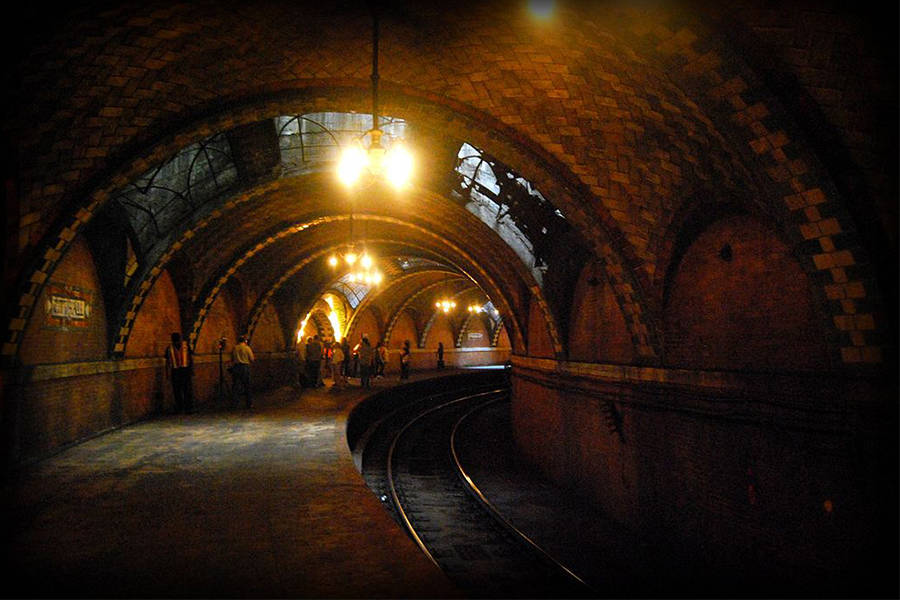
(362, 442)
(474, 490)
(390, 466)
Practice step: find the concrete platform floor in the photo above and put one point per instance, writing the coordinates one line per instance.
(224, 503)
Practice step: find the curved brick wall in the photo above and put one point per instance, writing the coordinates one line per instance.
(634, 121)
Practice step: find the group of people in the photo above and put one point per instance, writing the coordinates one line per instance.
(317, 358)
(180, 369)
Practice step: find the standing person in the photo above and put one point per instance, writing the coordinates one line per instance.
(345, 348)
(384, 357)
(354, 363)
(366, 362)
(337, 365)
(301, 363)
(380, 358)
(314, 362)
(327, 353)
(440, 355)
(180, 368)
(405, 358)
(241, 357)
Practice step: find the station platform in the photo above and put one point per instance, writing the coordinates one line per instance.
(261, 503)
(225, 503)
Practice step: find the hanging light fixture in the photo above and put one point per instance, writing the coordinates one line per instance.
(359, 262)
(475, 308)
(393, 164)
(360, 266)
(445, 305)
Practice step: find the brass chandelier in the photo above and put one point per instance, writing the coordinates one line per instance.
(394, 163)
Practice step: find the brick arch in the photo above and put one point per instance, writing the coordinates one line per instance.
(521, 142)
(320, 319)
(695, 213)
(470, 263)
(758, 312)
(263, 301)
(434, 315)
(798, 190)
(464, 329)
(392, 320)
(374, 315)
(309, 257)
(410, 315)
(370, 297)
(212, 288)
(312, 99)
(496, 333)
(209, 294)
(539, 165)
(599, 332)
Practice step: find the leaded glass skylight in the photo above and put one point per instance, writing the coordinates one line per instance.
(407, 263)
(168, 194)
(354, 291)
(490, 310)
(509, 204)
(307, 141)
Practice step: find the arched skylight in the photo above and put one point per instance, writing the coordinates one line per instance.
(170, 192)
(354, 291)
(408, 263)
(307, 141)
(491, 311)
(508, 204)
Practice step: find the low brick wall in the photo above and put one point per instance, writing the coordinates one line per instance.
(749, 475)
(50, 407)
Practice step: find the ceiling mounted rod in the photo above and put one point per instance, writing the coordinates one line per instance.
(374, 67)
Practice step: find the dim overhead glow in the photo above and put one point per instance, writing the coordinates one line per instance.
(541, 9)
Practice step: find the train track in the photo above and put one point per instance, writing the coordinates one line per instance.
(409, 462)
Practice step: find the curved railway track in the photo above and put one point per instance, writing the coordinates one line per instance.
(409, 462)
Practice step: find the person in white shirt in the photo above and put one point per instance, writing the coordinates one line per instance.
(337, 365)
(241, 358)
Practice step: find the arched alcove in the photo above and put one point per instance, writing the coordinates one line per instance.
(738, 299)
(598, 332)
(539, 342)
(157, 320)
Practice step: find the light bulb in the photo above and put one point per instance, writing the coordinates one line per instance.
(365, 261)
(350, 257)
(398, 165)
(351, 164)
(376, 154)
(333, 261)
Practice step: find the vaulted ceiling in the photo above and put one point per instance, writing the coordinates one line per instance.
(625, 116)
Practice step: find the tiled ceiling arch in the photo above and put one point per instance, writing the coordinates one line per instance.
(618, 114)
